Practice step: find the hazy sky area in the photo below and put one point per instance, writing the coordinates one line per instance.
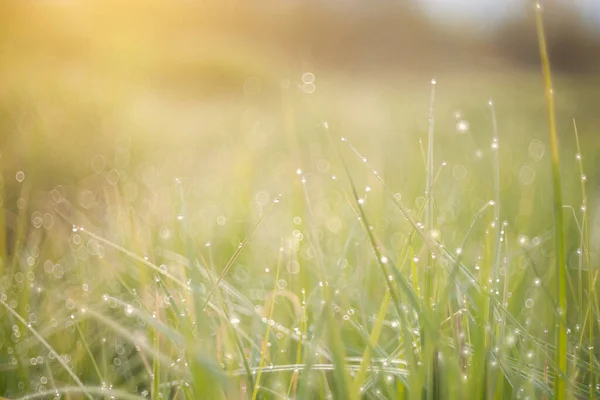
(486, 12)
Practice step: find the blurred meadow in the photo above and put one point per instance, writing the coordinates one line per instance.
(297, 200)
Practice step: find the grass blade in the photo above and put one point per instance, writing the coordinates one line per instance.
(560, 384)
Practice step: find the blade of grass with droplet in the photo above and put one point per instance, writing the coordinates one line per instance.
(497, 385)
(585, 249)
(304, 327)
(560, 385)
(428, 292)
(432, 374)
(266, 338)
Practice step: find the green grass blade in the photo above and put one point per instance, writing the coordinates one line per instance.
(560, 384)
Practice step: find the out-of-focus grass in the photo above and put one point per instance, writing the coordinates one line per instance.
(137, 171)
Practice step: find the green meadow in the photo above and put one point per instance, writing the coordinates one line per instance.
(200, 218)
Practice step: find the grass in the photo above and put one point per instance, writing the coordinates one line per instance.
(560, 384)
(315, 247)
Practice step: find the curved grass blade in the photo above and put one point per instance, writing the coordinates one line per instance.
(88, 390)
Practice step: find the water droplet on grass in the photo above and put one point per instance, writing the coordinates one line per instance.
(529, 303)
(462, 126)
(523, 240)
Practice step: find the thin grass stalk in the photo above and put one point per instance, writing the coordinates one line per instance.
(429, 191)
(560, 383)
(433, 374)
(266, 338)
(89, 352)
(585, 252)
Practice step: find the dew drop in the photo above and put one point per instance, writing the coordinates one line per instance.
(529, 303)
(523, 240)
(462, 126)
